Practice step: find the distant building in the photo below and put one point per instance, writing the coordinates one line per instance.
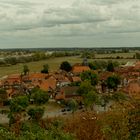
(78, 69)
(85, 62)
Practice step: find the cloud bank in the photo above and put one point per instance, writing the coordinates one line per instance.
(41, 22)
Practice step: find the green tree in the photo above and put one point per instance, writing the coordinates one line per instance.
(110, 67)
(17, 105)
(137, 55)
(11, 60)
(25, 69)
(90, 99)
(92, 66)
(113, 82)
(66, 66)
(104, 100)
(36, 113)
(45, 68)
(89, 75)
(85, 87)
(73, 105)
(87, 54)
(39, 96)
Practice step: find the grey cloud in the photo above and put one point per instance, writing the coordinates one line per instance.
(73, 18)
(18, 2)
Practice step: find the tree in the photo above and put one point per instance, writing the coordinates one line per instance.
(66, 66)
(3, 95)
(87, 54)
(11, 60)
(39, 96)
(113, 82)
(110, 67)
(45, 69)
(92, 77)
(36, 113)
(17, 105)
(105, 100)
(25, 69)
(90, 99)
(92, 66)
(85, 87)
(137, 55)
(73, 105)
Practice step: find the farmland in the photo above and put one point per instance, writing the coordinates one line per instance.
(54, 63)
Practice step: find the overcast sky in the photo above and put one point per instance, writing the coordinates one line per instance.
(69, 23)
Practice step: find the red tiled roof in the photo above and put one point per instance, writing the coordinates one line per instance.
(45, 84)
(11, 79)
(80, 69)
(38, 76)
(76, 79)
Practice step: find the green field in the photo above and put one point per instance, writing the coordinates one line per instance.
(114, 55)
(53, 63)
(37, 66)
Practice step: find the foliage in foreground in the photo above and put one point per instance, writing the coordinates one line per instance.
(35, 131)
(121, 123)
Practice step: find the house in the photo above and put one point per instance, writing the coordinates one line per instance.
(11, 81)
(48, 84)
(34, 77)
(78, 69)
(62, 79)
(68, 92)
(43, 83)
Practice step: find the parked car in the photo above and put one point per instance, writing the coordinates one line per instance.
(65, 109)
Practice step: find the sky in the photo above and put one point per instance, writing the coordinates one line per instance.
(69, 23)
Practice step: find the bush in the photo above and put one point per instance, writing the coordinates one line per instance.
(36, 113)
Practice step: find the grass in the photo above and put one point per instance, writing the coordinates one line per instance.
(114, 55)
(53, 63)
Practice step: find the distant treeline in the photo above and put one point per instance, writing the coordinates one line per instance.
(36, 56)
(13, 57)
(76, 49)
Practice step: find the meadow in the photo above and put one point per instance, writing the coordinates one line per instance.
(37, 66)
(54, 63)
(114, 55)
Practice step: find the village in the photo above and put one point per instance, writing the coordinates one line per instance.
(69, 70)
(61, 85)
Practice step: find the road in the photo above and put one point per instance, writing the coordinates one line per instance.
(56, 112)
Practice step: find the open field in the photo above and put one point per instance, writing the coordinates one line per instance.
(53, 63)
(114, 55)
(37, 66)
